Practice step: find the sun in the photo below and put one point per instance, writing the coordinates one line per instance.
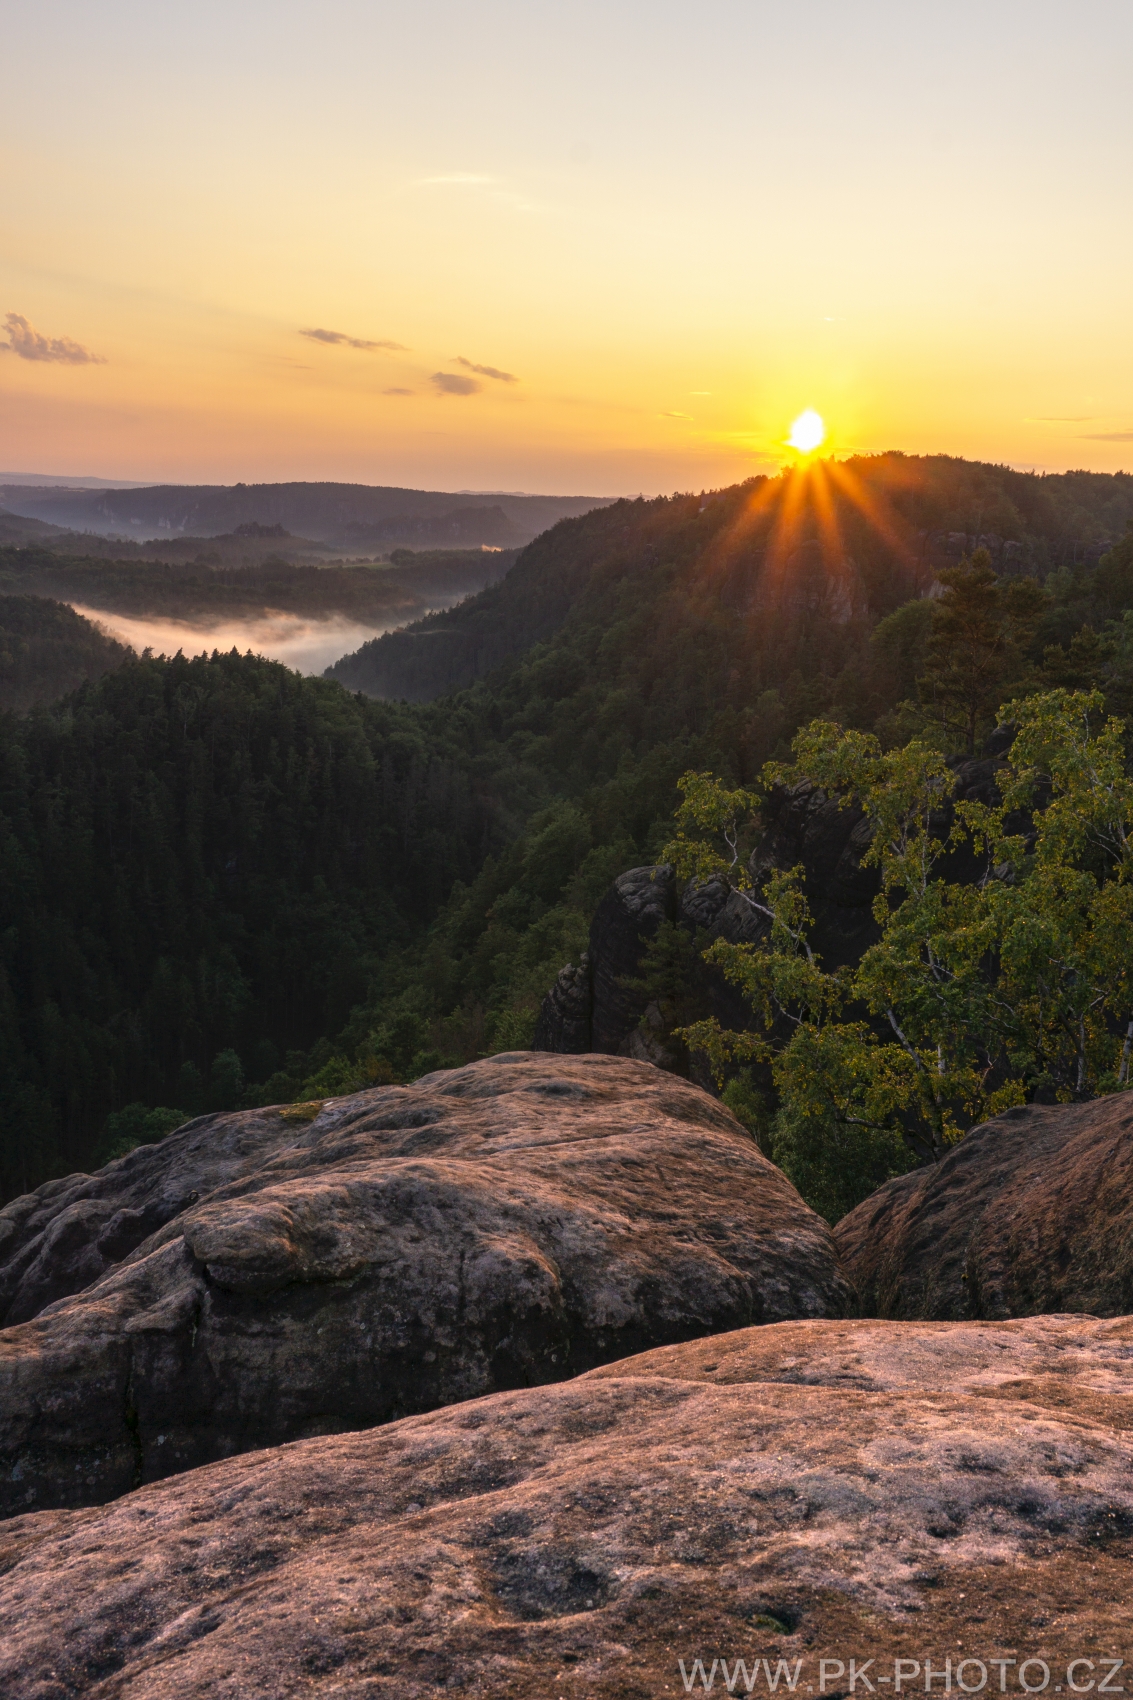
(808, 432)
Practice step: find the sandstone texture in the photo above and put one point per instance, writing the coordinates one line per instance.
(64, 1236)
(1029, 1213)
(513, 1222)
(819, 1490)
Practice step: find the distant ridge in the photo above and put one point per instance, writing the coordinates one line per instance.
(364, 515)
(69, 481)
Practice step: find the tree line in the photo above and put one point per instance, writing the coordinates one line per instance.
(226, 885)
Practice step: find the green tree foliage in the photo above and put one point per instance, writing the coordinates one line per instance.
(979, 994)
(46, 650)
(198, 859)
(216, 588)
(135, 1125)
(213, 856)
(977, 647)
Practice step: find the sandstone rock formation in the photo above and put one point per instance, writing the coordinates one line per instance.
(955, 1494)
(589, 1008)
(68, 1233)
(1030, 1213)
(512, 1222)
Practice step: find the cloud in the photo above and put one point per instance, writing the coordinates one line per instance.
(344, 341)
(1061, 419)
(451, 383)
(1106, 437)
(674, 416)
(487, 371)
(397, 392)
(460, 177)
(30, 344)
(491, 188)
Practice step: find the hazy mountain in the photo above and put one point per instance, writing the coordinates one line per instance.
(363, 515)
(75, 481)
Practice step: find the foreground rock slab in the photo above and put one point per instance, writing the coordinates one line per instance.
(1030, 1213)
(806, 1491)
(68, 1233)
(508, 1223)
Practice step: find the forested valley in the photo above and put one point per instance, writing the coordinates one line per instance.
(225, 885)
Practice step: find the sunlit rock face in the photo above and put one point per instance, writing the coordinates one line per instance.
(1030, 1213)
(802, 1492)
(509, 1223)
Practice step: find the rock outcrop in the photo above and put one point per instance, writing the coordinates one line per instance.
(590, 1008)
(1029, 1213)
(955, 1494)
(67, 1234)
(508, 1223)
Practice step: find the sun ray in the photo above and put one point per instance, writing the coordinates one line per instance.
(873, 509)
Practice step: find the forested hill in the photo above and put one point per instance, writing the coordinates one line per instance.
(222, 883)
(207, 858)
(884, 525)
(47, 649)
(208, 593)
(363, 514)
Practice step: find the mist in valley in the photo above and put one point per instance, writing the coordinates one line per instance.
(307, 644)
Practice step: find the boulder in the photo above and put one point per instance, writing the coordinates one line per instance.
(511, 1222)
(1029, 1213)
(949, 1495)
(68, 1233)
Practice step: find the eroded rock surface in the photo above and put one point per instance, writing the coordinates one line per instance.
(65, 1235)
(821, 1490)
(508, 1223)
(1030, 1213)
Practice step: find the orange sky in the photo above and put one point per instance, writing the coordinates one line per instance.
(665, 232)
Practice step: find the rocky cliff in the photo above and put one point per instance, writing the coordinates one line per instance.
(508, 1223)
(958, 1494)
(589, 1008)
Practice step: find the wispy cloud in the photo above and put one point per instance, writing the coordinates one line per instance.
(487, 371)
(397, 392)
(1106, 437)
(472, 178)
(674, 416)
(451, 383)
(1061, 419)
(491, 189)
(341, 339)
(30, 344)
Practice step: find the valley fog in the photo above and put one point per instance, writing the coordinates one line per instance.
(306, 644)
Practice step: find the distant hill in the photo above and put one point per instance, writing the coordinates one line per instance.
(846, 548)
(250, 577)
(360, 515)
(76, 481)
(247, 886)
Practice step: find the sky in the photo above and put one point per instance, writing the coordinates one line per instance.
(586, 248)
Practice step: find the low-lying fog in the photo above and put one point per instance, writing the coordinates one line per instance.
(306, 644)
